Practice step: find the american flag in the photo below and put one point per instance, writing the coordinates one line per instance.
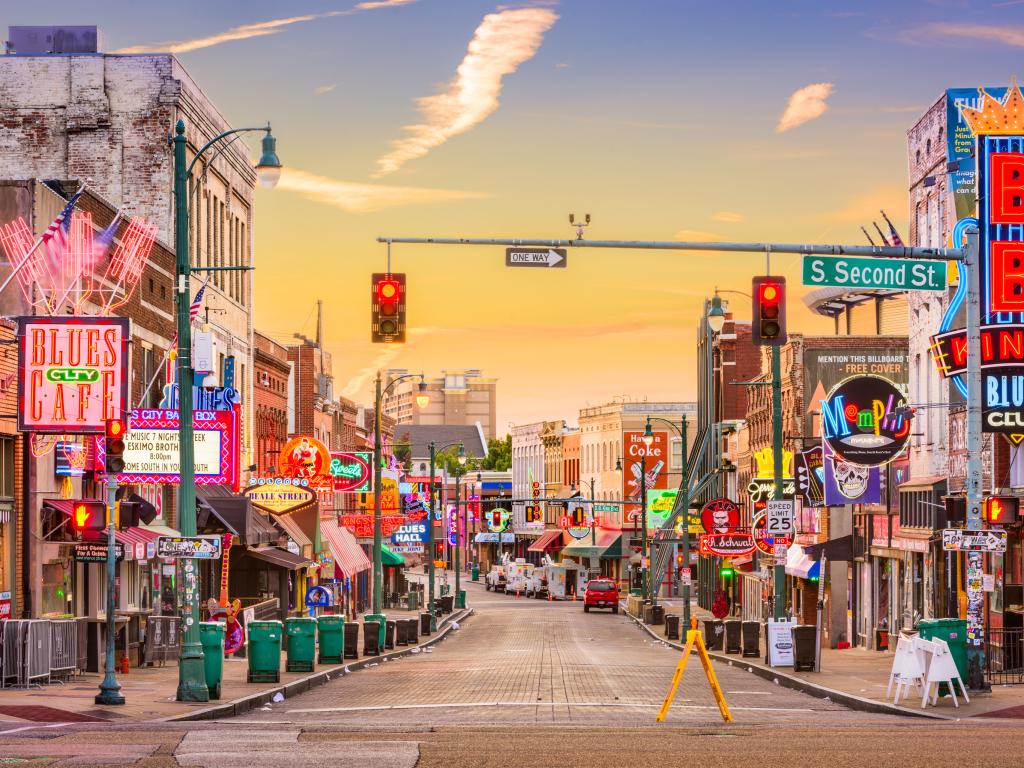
(103, 240)
(197, 302)
(55, 238)
(894, 237)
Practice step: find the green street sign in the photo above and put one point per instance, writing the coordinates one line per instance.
(867, 272)
(606, 507)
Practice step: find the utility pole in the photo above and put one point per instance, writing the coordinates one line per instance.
(431, 555)
(779, 598)
(644, 559)
(685, 491)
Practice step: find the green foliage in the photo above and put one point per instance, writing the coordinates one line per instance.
(499, 454)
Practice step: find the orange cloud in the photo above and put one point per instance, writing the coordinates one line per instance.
(502, 42)
(357, 197)
(804, 105)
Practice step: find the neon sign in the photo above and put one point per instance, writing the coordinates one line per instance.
(863, 422)
(352, 472)
(73, 373)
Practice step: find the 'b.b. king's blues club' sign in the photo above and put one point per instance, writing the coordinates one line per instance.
(999, 128)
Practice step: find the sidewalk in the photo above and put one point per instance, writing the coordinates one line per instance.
(858, 678)
(150, 691)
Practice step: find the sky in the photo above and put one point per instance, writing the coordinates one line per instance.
(662, 119)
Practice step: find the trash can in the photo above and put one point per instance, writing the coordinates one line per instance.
(751, 639)
(475, 572)
(672, 627)
(805, 637)
(351, 640)
(713, 634)
(654, 614)
(462, 599)
(331, 638)
(379, 619)
(264, 651)
(401, 633)
(425, 623)
(449, 603)
(371, 637)
(211, 635)
(733, 635)
(412, 601)
(412, 631)
(954, 632)
(444, 590)
(390, 634)
(301, 632)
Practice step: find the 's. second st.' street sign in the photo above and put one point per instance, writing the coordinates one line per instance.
(867, 272)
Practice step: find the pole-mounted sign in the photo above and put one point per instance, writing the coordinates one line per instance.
(536, 257)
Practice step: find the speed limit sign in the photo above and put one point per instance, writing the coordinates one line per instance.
(780, 517)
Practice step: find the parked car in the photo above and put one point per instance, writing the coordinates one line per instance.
(495, 579)
(601, 593)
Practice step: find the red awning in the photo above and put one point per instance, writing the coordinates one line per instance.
(135, 540)
(548, 541)
(347, 554)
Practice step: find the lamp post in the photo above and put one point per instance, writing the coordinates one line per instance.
(110, 691)
(191, 678)
(430, 532)
(685, 485)
(422, 400)
(459, 472)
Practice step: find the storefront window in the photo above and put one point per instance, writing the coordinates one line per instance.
(54, 591)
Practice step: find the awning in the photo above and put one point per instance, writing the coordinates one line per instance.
(281, 558)
(348, 555)
(64, 506)
(492, 538)
(549, 542)
(387, 557)
(834, 549)
(923, 483)
(607, 544)
(139, 542)
(800, 565)
(218, 508)
(292, 530)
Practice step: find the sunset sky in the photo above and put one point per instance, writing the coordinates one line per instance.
(663, 119)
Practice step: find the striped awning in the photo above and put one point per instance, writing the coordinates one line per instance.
(139, 542)
(549, 542)
(348, 555)
(292, 530)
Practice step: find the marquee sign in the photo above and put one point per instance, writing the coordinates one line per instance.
(306, 458)
(279, 499)
(152, 453)
(861, 421)
(361, 526)
(73, 373)
(726, 544)
(352, 471)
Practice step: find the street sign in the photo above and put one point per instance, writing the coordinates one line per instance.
(535, 257)
(780, 554)
(606, 507)
(868, 272)
(685, 577)
(197, 547)
(96, 551)
(959, 540)
(780, 517)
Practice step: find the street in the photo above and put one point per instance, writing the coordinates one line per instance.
(576, 686)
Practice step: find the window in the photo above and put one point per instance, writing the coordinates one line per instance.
(676, 453)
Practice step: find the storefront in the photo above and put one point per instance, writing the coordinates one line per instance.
(346, 569)
(549, 543)
(600, 553)
(490, 549)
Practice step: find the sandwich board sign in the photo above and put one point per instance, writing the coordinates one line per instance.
(780, 642)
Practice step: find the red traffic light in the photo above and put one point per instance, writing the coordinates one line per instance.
(496, 519)
(770, 293)
(1002, 510)
(115, 428)
(389, 291)
(769, 311)
(388, 302)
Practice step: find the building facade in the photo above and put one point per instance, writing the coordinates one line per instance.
(457, 397)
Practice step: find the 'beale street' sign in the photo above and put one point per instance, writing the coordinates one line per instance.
(867, 272)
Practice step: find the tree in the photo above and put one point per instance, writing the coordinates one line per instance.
(499, 454)
(403, 451)
(449, 459)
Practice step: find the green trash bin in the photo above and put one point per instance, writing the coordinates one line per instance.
(475, 572)
(211, 635)
(412, 601)
(331, 637)
(382, 620)
(461, 602)
(301, 633)
(264, 651)
(954, 632)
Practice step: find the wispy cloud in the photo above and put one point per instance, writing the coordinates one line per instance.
(805, 104)
(320, 90)
(730, 216)
(357, 197)
(383, 359)
(258, 29)
(951, 30)
(502, 42)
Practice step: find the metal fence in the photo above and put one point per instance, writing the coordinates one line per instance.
(26, 652)
(753, 604)
(63, 648)
(1004, 659)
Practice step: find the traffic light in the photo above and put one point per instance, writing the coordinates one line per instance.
(387, 300)
(680, 560)
(726, 571)
(1001, 510)
(113, 460)
(769, 321)
(496, 519)
(531, 514)
(88, 517)
(578, 518)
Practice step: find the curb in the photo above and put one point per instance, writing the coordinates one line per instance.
(246, 704)
(858, 703)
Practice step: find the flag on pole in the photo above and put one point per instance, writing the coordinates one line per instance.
(881, 234)
(197, 302)
(55, 238)
(894, 237)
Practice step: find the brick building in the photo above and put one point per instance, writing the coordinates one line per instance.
(272, 371)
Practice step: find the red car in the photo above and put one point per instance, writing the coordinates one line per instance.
(601, 593)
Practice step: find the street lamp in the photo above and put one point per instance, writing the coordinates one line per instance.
(459, 472)
(422, 397)
(430, 524)
(378, 568)
(191, 677)
(685, 486)
(716, 315)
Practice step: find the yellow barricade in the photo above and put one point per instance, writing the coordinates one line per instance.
(694, 640)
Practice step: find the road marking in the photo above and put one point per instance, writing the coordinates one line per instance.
(617, 704)
(33, 727)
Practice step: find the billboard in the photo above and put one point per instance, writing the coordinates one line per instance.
(654, 461)
(847, 483)
(863, 421)
(152, 455)
(73, 373)
(963, 182)
(826, 367)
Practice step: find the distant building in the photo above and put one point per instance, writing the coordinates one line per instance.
(457, 397)
(272, 371)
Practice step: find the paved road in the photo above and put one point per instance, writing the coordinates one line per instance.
(528, 683)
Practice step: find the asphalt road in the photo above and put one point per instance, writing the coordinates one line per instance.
(527, 683)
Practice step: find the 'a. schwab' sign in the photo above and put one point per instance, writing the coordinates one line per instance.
(895, 274)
